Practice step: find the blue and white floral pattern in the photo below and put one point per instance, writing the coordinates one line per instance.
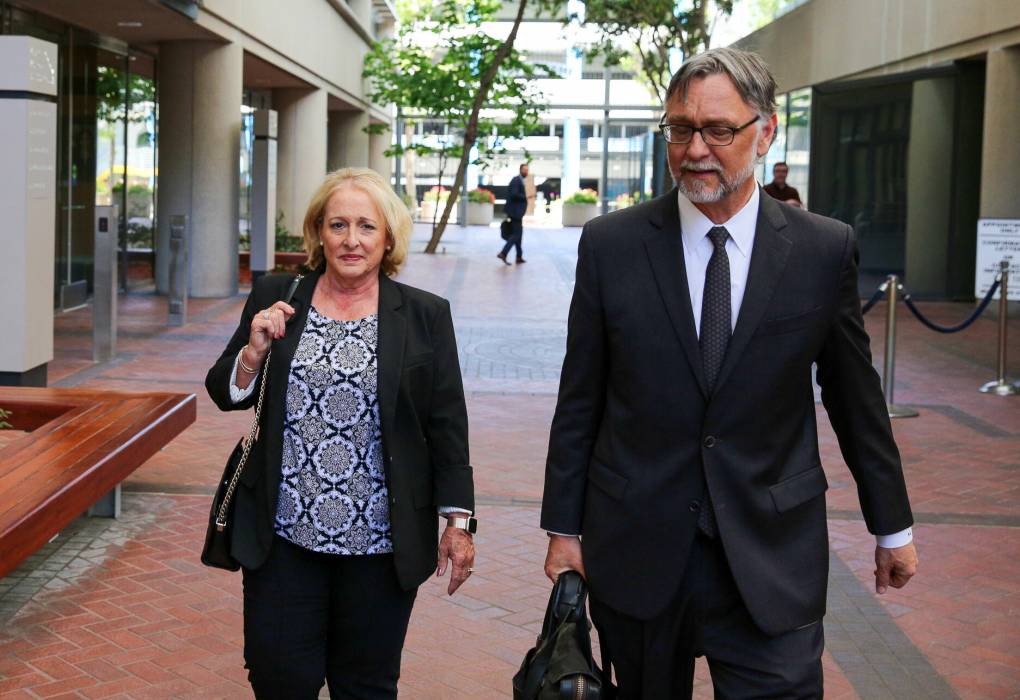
(333, 495)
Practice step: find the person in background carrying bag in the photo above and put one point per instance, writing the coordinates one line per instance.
(516, 207)
(362, 441)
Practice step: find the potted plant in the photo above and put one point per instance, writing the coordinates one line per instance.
(436, 196)
(580, 207)
(480, 206)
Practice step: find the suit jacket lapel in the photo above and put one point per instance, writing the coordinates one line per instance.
(392, 330)
(666, 256)
(768, 260)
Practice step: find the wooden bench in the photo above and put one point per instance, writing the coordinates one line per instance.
(82, 445)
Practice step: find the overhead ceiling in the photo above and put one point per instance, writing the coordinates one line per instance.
(261, 75)
(135, 22)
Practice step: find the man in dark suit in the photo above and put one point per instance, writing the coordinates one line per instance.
(516, 207)
(684, 450)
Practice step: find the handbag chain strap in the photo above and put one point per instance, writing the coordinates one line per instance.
(253, 435)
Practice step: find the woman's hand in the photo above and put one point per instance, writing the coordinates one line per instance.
(456, 546)
(268, 325)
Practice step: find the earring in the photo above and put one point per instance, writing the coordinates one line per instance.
(389, 247)
(320, 241)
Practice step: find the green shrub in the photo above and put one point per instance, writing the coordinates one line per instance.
(481, 196)
(585, 196)
(436, 194)
(4, 415)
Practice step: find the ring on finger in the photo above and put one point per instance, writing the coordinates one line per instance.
(471, 570)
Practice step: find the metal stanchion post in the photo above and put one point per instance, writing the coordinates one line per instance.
(1000, 387)
(889, 375)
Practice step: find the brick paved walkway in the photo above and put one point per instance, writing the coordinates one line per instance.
(122, 608)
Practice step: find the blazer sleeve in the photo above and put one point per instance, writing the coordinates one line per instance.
(447, 426)
(853, 398)
(217, 380)
(581, 400)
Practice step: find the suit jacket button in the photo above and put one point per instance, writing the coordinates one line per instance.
(710, 442)
(393, 500)
(694, 506)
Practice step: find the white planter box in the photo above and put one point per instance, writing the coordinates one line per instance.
(428, 208)
(579, 214)
(479, 213)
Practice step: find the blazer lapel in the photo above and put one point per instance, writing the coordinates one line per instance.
(666, 256)
(392, 330)
(768, 260)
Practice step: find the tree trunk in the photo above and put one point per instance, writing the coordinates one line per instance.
(471, 132)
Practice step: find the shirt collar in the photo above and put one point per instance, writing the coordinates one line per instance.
(694, 225)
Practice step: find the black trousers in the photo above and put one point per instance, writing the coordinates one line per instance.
(517, 229)
(655, 658)
(312, 617)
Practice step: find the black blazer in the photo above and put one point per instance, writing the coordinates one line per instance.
(517, 198)
(421, 407)
(636, 433)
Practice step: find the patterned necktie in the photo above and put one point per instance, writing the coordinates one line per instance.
(715, 307)
(714, 339)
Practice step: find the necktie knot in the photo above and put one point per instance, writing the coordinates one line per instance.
(718, 235)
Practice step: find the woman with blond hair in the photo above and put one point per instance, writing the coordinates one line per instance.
(362, 442)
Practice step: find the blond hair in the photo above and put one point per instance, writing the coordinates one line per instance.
(393, 210)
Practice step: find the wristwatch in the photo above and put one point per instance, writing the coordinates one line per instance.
(463, 522)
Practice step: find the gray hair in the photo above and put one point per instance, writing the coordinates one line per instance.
(749, 73)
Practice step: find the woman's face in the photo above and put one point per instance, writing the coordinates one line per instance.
(353, 235)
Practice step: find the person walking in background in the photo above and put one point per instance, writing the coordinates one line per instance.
(362, 436)
(683, 477)
(778, 189)
(516, 207)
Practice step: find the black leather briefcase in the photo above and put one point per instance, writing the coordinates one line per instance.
(560, 666)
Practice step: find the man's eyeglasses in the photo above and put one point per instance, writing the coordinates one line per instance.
(712, 135)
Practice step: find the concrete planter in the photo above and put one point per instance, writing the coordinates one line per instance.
(428, 208)
(479, 213)
(579, 214)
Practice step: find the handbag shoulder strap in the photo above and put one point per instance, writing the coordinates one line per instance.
(253, 432)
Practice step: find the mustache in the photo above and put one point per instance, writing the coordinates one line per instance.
(701, 166)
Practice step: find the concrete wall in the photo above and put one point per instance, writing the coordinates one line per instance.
(929, 185)
(348, 142)
(1000, 153)
(301, 152)
(825, 40)
(323, 42)
(200, 136)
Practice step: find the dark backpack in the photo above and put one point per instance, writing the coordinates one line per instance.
(560, 666)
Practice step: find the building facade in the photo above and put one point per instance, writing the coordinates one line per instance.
(154, 103)
(904, 126)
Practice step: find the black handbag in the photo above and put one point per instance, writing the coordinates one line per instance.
(216, 550)
(560, 666)
(506, 229)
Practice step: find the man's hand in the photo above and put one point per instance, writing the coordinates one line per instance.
(894, 566)
(564, 555)
(456, 546)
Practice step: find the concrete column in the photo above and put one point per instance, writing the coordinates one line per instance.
(28, 180)
(348, 142)
(929, 185)
(571, 181)
(1000, 151)
(377, 158)
(200, 86)
(301, 151)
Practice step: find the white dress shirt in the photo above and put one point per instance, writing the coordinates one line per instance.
(698, 249)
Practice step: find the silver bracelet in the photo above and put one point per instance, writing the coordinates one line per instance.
(240, 363)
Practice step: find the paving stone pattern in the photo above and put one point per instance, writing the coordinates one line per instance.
(122, 608)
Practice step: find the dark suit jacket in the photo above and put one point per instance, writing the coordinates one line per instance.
(421, 407)
(517, 199)
(636, 433)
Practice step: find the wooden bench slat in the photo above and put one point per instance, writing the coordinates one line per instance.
(92, 441)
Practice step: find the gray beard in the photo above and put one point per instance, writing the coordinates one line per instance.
(699, 193)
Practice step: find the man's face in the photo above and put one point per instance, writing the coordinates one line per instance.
(524, 171)
(707, 174)
(779, 174)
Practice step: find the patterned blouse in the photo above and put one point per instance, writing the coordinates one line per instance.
(333, 495)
